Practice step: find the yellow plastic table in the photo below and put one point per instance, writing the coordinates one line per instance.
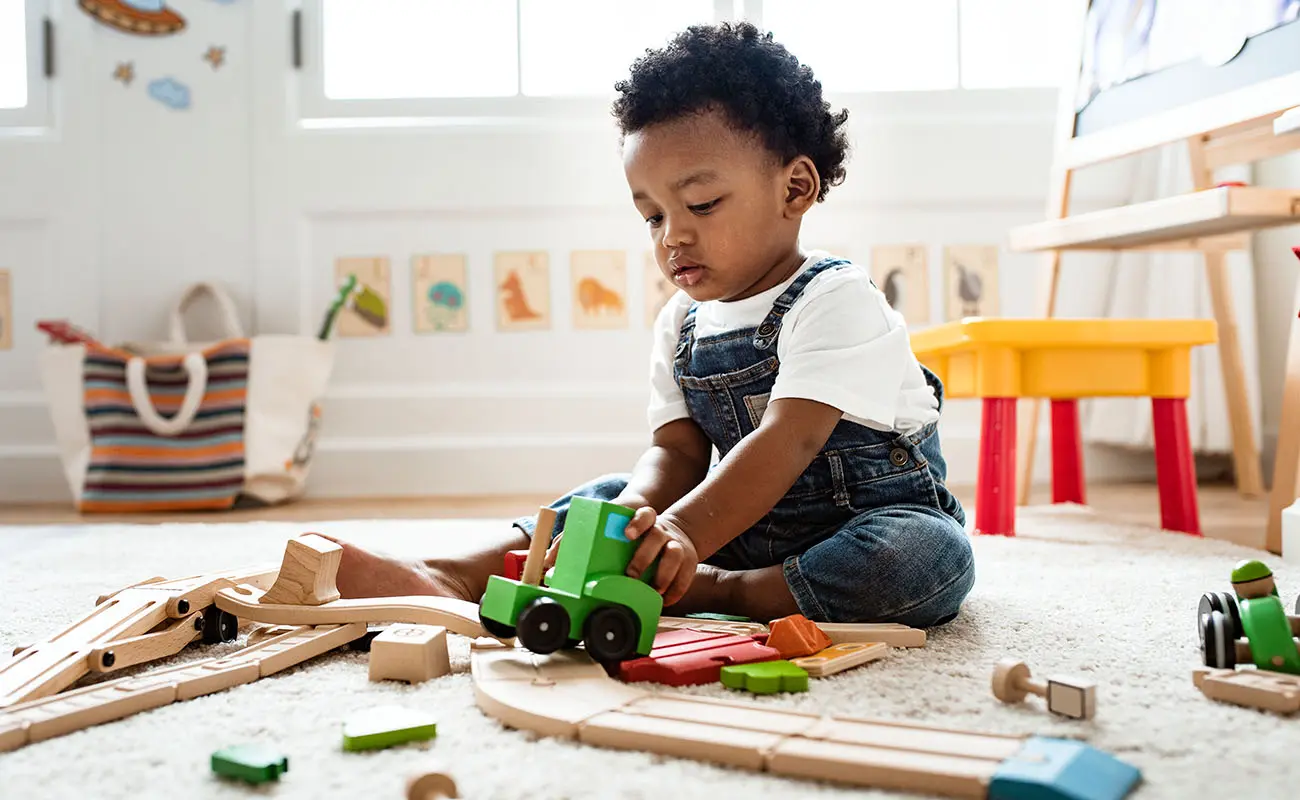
(1003, 360)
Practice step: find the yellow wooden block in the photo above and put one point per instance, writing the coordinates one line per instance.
(1063, 358)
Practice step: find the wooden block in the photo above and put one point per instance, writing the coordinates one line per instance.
(307, 575)
(1071, 697)
(687, 657)
(412, 653)
(890, 633)
(796, 636)
(387, 726)
(251, 763)
(766, 677)
(840, 657)
(513, 568)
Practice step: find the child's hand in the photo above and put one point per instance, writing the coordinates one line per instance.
(552, 550)
(661, 538)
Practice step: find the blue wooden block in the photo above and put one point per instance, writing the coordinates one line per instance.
(1062, 769)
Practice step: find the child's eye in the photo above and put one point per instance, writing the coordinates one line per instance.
(703, 208)
(655, 220)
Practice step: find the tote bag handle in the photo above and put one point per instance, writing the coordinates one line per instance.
(197, 368)
(229, 316)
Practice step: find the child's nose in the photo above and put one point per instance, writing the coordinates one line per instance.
(677, 232)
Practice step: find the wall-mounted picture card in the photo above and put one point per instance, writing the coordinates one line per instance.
(901, 271)
(523, 287)
(366, 310)
(438, 292)
(599, 289)
(6, 312)
(658, 290)
(971, 281)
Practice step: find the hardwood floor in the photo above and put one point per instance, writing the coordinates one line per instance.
(1225, 514)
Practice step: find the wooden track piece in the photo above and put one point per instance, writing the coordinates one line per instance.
(840, 657)
(104, 597)
(308, 574)
(134, 650)
(457, 616)
(1255, 688)
(111, 700)
(711, 625)
(890, 633)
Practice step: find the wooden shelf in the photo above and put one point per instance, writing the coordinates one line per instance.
(1287, 123)
(1200, 219)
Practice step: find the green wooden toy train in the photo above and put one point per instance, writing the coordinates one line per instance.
(1249, 624)
(586, 598)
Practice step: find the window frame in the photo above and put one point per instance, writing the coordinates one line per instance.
(35, 116)
(313, 110)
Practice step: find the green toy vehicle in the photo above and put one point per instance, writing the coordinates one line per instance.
(1254, 611)
(587, 597)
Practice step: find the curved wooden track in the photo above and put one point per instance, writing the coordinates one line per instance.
(568, 695)
(457, 616)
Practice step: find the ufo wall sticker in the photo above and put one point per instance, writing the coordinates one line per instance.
(140, 17)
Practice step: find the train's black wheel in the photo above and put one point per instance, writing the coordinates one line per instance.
(219, 626)
(497, 629)
(1218, 645)
(611, 633)
(543, 626)
(1222, 602)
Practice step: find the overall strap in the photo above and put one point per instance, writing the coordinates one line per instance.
(684, 339)
(771, 327)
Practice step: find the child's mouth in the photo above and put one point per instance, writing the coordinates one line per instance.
(687, 274)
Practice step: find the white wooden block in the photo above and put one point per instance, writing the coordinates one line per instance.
(412, 653)
(1291, 533)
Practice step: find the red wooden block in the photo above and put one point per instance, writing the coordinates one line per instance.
(687, 657)
(514, 569)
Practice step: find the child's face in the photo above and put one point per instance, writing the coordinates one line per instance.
(718, 204)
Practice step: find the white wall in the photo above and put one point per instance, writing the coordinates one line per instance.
(108, 218)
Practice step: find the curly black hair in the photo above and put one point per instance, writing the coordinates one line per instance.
(752, 79)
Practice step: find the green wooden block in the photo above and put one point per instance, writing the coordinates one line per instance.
(254, 763)
(387, 726)
(766, 677)
(719, 617)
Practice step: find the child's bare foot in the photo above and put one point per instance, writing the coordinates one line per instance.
(363, 573)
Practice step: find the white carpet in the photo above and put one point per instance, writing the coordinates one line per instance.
(1070, 594)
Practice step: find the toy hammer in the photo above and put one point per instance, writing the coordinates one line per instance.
(1067, 696)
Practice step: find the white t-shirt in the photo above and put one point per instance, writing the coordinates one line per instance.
(840, 344)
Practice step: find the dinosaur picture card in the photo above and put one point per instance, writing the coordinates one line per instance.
(658, 289)
(438, 293)
(599, 289)
(970, 274)
(523, 289)
(367, 310)
(902, 272)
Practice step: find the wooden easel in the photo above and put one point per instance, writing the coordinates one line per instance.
(1233, 127)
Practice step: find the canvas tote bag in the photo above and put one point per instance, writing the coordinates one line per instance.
(175, 425)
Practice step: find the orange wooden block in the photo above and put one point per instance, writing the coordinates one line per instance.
(796, 636)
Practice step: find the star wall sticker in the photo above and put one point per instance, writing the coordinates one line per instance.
(216, 56)
(125, 72)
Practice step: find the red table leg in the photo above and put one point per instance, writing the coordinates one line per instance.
(1175, 467)
(1067, 452)
(995, 490)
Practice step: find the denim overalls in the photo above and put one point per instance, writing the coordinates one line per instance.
(868, 532)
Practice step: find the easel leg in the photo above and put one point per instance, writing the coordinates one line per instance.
(1286, 464)
(1058, 206)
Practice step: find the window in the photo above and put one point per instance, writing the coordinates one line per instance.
(507, 58)
(22, 74)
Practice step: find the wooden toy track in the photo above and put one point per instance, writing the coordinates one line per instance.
(568, 695)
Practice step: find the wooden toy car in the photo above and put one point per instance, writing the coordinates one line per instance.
(1252, 626)
(587, 597)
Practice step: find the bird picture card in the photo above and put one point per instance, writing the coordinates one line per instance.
(971, 281)
(902, 272)
(6, 312)
(599, 288)
(523, 287)
(658, 290)
(365, 311)
(438, 292)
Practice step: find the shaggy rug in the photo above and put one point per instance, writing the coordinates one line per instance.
(1070, 594)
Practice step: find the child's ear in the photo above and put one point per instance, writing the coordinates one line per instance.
(802, 184)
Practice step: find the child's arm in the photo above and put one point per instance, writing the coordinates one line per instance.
(729, 500)
(676, 461)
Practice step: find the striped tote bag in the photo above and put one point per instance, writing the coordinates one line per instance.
(177, 426)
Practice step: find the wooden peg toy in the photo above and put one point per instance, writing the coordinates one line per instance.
(412, 653)
(535, 563)
(1067, 696)
(307, 576)
(433, 785)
